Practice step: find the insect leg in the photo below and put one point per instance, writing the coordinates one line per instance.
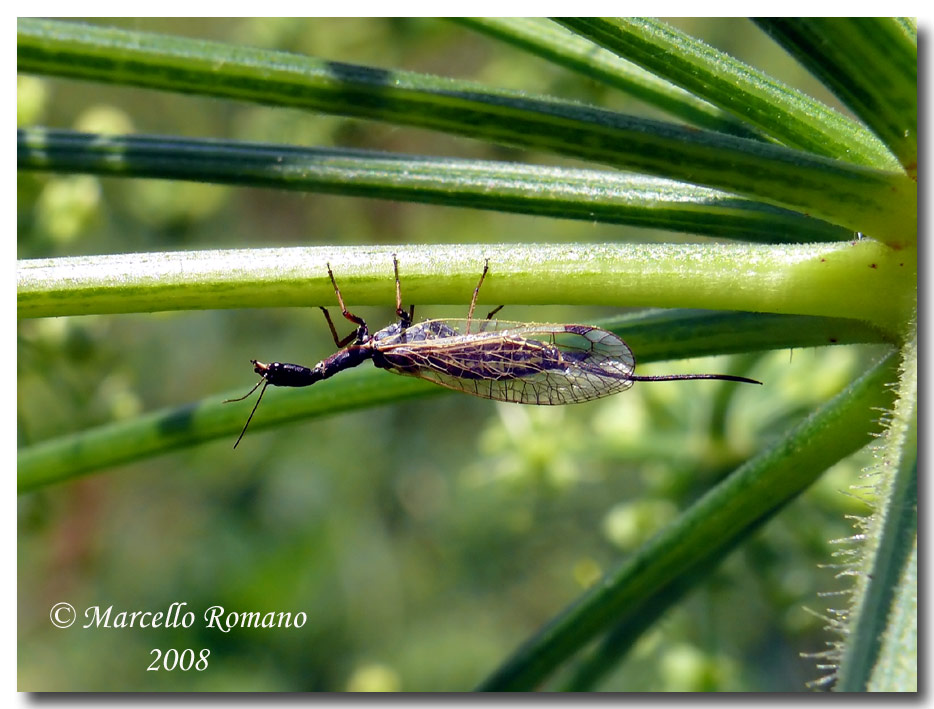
(340, 301)
(337, 341)
(476, 291)
(493, 312)
(404, 317)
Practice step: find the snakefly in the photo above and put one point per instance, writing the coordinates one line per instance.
(493, 359)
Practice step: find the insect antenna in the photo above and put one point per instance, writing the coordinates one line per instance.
(681, 377)
(265, 384)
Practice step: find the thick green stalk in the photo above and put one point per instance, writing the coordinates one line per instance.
(862, 279)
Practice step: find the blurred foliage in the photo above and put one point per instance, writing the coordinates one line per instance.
(425, 540)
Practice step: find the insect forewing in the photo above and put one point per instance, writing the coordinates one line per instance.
(516, 362)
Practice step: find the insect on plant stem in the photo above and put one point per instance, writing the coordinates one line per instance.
(522, 363)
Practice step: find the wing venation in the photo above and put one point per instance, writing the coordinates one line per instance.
(515, 362)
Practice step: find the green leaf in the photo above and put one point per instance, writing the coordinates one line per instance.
(85, 452)
(718, 522)
(875, 202)
(881, 627)
(896, 669)
(778, 110)
(870, 63)
(591, 195)
(554, 43)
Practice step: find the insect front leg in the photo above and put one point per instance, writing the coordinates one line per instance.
(337, 341)
(362, 333)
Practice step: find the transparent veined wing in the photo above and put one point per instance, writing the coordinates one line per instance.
(516, 362)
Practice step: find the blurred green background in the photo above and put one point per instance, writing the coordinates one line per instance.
(426, 540)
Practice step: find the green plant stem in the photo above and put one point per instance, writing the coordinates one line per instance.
(841, 279)
(716, 523)
(591, 195)
(654, 336)
(878, 203)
